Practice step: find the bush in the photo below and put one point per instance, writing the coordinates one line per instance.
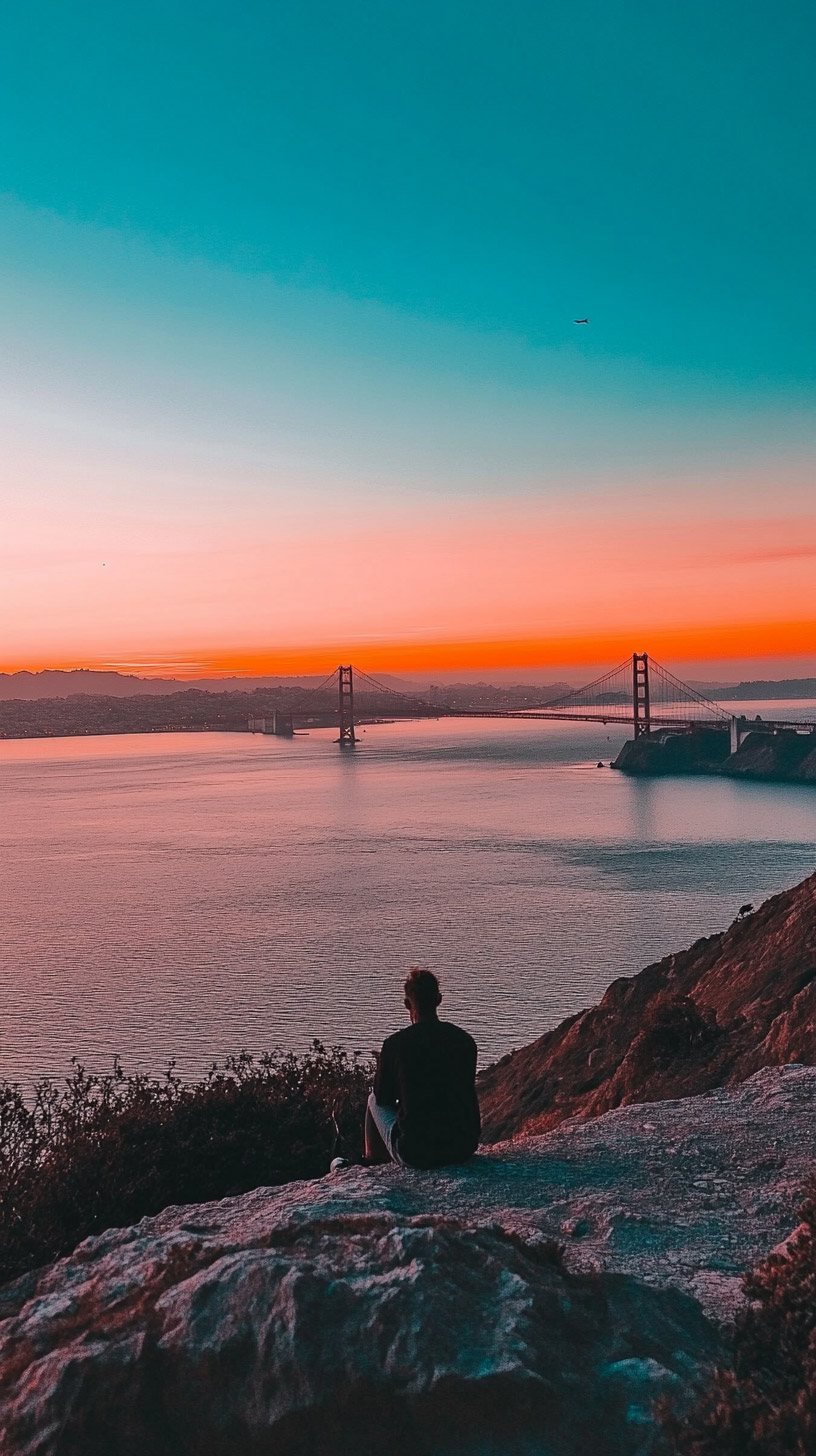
(765, 1405)
(97, 1152)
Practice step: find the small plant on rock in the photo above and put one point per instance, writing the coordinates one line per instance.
(765, 1404)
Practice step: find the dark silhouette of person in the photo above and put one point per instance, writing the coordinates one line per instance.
(423, 1112)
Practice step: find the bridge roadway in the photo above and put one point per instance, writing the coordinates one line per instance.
(655, 720)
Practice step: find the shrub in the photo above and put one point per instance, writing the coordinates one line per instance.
(765, 1404)
(96, 1152)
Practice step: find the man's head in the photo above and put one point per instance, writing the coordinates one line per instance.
(422, 994)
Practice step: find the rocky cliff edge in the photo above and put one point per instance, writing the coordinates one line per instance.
(388, 1310)
(707, 1016)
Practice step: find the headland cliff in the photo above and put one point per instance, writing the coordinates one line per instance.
(704, 1017)
(784, 756)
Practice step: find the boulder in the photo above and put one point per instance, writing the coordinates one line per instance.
(358, 1334)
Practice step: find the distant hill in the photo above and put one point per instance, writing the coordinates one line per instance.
(58, 683)
(487, 695)
(55, 683)
(788, 687)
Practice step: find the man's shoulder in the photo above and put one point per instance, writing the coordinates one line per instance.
(417, 1032)
(457, 1033)
(397, 1039)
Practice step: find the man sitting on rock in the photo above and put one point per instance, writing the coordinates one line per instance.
(423, 1112)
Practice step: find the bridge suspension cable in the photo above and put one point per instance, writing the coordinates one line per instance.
(640, 691)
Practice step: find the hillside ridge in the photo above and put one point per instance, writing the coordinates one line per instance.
(704, 1017)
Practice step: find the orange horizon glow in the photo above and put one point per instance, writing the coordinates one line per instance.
(432, 587)
(734, 641)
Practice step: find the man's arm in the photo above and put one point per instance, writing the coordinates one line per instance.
(386, 1090)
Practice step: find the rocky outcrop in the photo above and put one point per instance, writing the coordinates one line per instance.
(356, 1335)
(785, 756)
(707, 1016)
(772, 756)
(807, 768)
(672, 751)
(427, 1313)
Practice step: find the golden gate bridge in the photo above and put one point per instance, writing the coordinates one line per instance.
(639, 692)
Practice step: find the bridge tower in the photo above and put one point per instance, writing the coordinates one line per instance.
(641, 710)
(345, 684)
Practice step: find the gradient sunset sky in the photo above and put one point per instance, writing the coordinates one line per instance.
(289, 367)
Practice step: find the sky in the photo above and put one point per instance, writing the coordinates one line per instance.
(289, 372)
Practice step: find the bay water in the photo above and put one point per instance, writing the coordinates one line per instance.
(183, 896)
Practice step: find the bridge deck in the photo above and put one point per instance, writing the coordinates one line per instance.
(656, 720)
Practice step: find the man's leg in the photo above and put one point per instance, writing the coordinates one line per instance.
(379, 1123)
(375, 1149)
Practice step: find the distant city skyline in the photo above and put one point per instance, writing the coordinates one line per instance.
(289, 370)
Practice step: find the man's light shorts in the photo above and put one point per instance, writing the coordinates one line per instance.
(385, 1121)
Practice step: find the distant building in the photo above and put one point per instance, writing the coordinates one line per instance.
(277, 721)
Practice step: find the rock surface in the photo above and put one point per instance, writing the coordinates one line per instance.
(386, 1310)
(790, 757)
(784, 757)
(707, 1016)
(358, 1334)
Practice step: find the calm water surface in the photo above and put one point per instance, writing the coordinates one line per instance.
(188, 895)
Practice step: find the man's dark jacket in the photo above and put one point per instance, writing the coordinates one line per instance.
(428, 1072)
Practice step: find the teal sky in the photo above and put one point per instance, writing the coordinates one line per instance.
(262, 256)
